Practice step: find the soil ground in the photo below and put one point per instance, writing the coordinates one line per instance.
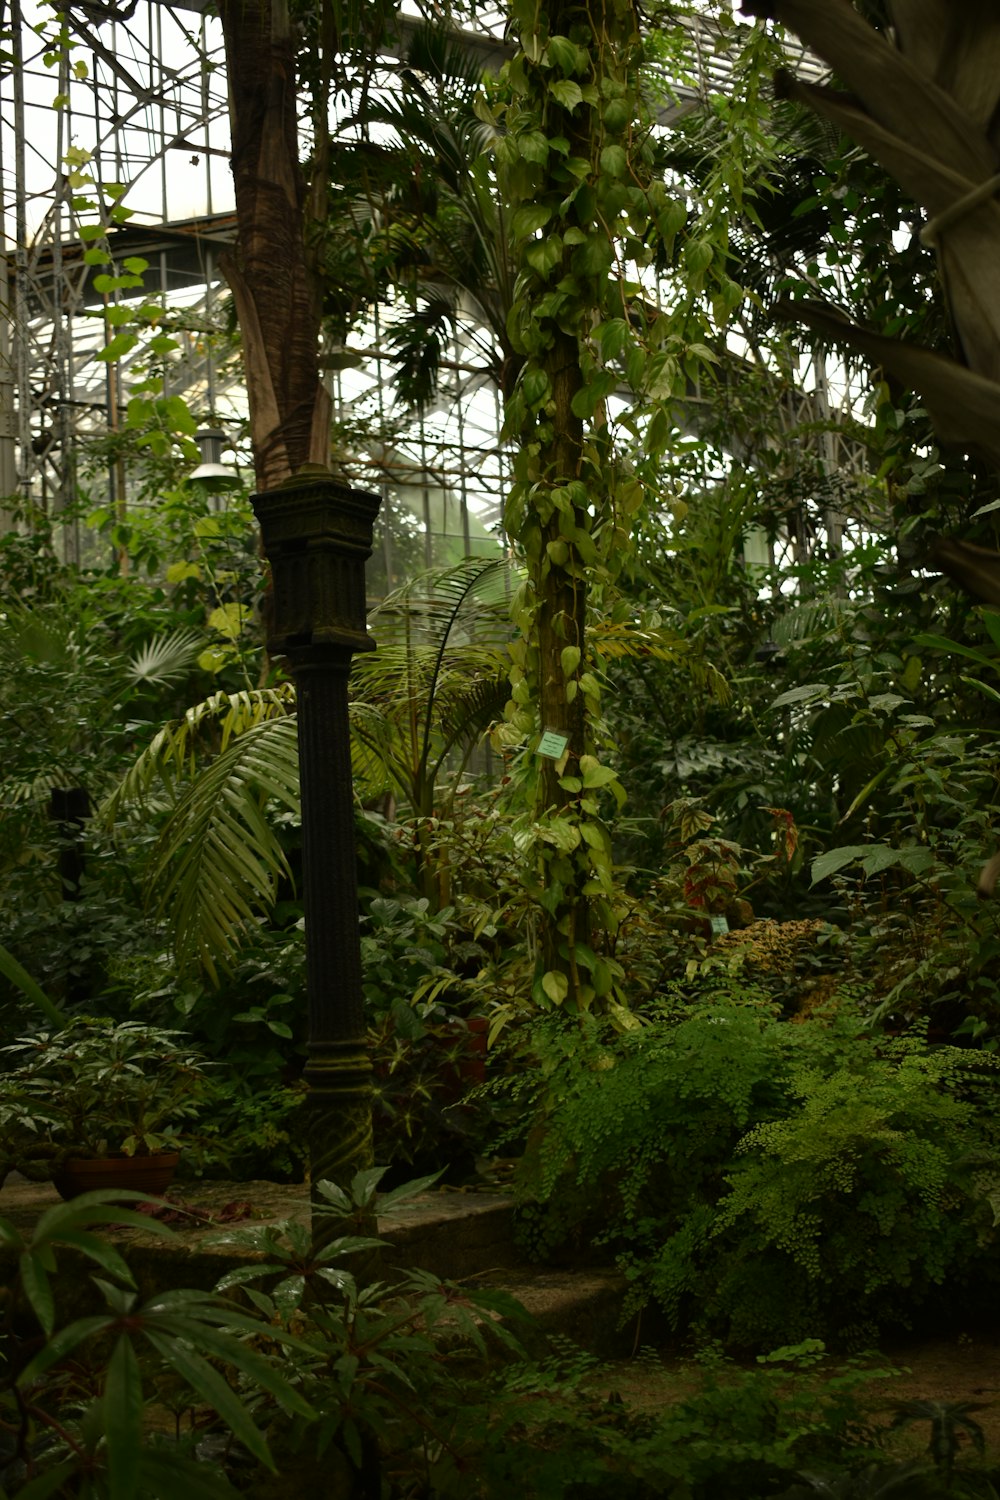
(958, 1369)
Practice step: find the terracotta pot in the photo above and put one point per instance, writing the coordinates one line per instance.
(469, 1069)
(139, 1174)
(474, 1065)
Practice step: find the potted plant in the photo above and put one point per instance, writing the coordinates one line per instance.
(99, 1103)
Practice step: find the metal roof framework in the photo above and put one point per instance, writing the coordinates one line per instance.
(149, 105)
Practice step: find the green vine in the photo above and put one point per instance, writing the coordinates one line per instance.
(589, 215)
(574, 164)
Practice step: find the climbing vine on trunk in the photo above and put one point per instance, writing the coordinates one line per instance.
(573, 164)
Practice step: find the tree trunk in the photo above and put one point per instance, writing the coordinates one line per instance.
(277, 299)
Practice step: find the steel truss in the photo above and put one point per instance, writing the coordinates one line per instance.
(149, 105)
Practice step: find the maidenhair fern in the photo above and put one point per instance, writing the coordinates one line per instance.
(769, 1181)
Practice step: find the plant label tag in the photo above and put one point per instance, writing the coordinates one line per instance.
(552, 744)
(719, 926)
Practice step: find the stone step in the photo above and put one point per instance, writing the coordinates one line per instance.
(465, 1236)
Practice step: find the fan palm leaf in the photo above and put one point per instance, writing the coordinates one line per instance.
(165, 658)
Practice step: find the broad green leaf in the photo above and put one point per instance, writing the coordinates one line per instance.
(22, 980)
(122, 1411)
(865, 793)
(566, 55)
(544, 255)
(533, 146)
(556, 986)
(100, 1251)
(535, 385)
(614, 161)
(119, 346)
(808, 692)
(917, 859)
(836, 859)
(62, 1343)
(569, 659)
(209, 1329)
(103, 1206)
(982, 687)
(529, 218)
(38, 1290)
(215, 1391)
(566, 92)
(880, 858)
(594, 258)
(594, 773)
(179, 415)
(942, 643)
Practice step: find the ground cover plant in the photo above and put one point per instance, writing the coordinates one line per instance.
(758, 1177)
(301, 1369)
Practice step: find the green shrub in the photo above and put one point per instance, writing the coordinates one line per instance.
(764, 1180)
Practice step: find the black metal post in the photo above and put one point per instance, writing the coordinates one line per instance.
(317, 535)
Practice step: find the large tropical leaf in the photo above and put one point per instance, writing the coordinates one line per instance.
(173, 756)
(437, 680)
(923, 102)
(215, 772)
(218, 860)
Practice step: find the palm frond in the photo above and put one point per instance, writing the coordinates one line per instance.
(165, 658)
(218, 860)
(466, 709)
(372, 736)
(473, 596)
(171, 757)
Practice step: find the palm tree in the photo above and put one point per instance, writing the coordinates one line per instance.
(923, 102)
(214, 776)
(419, 217)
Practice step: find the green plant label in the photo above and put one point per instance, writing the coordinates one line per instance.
(552, 744)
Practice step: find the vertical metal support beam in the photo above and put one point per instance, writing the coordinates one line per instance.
(386, 537)
(21, 333)
(463, 492)
(426, 496)
(8, 415)
(62, 340)
(317, 536)
(833, 519)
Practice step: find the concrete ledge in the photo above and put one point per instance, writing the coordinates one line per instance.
(454, 1234)
(460, 1236)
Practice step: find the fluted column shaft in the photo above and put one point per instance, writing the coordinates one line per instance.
(338, 1071)
(317, 534)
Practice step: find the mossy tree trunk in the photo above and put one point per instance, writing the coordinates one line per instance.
(568, 168)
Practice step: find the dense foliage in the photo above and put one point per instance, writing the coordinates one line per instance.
(715, 973)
